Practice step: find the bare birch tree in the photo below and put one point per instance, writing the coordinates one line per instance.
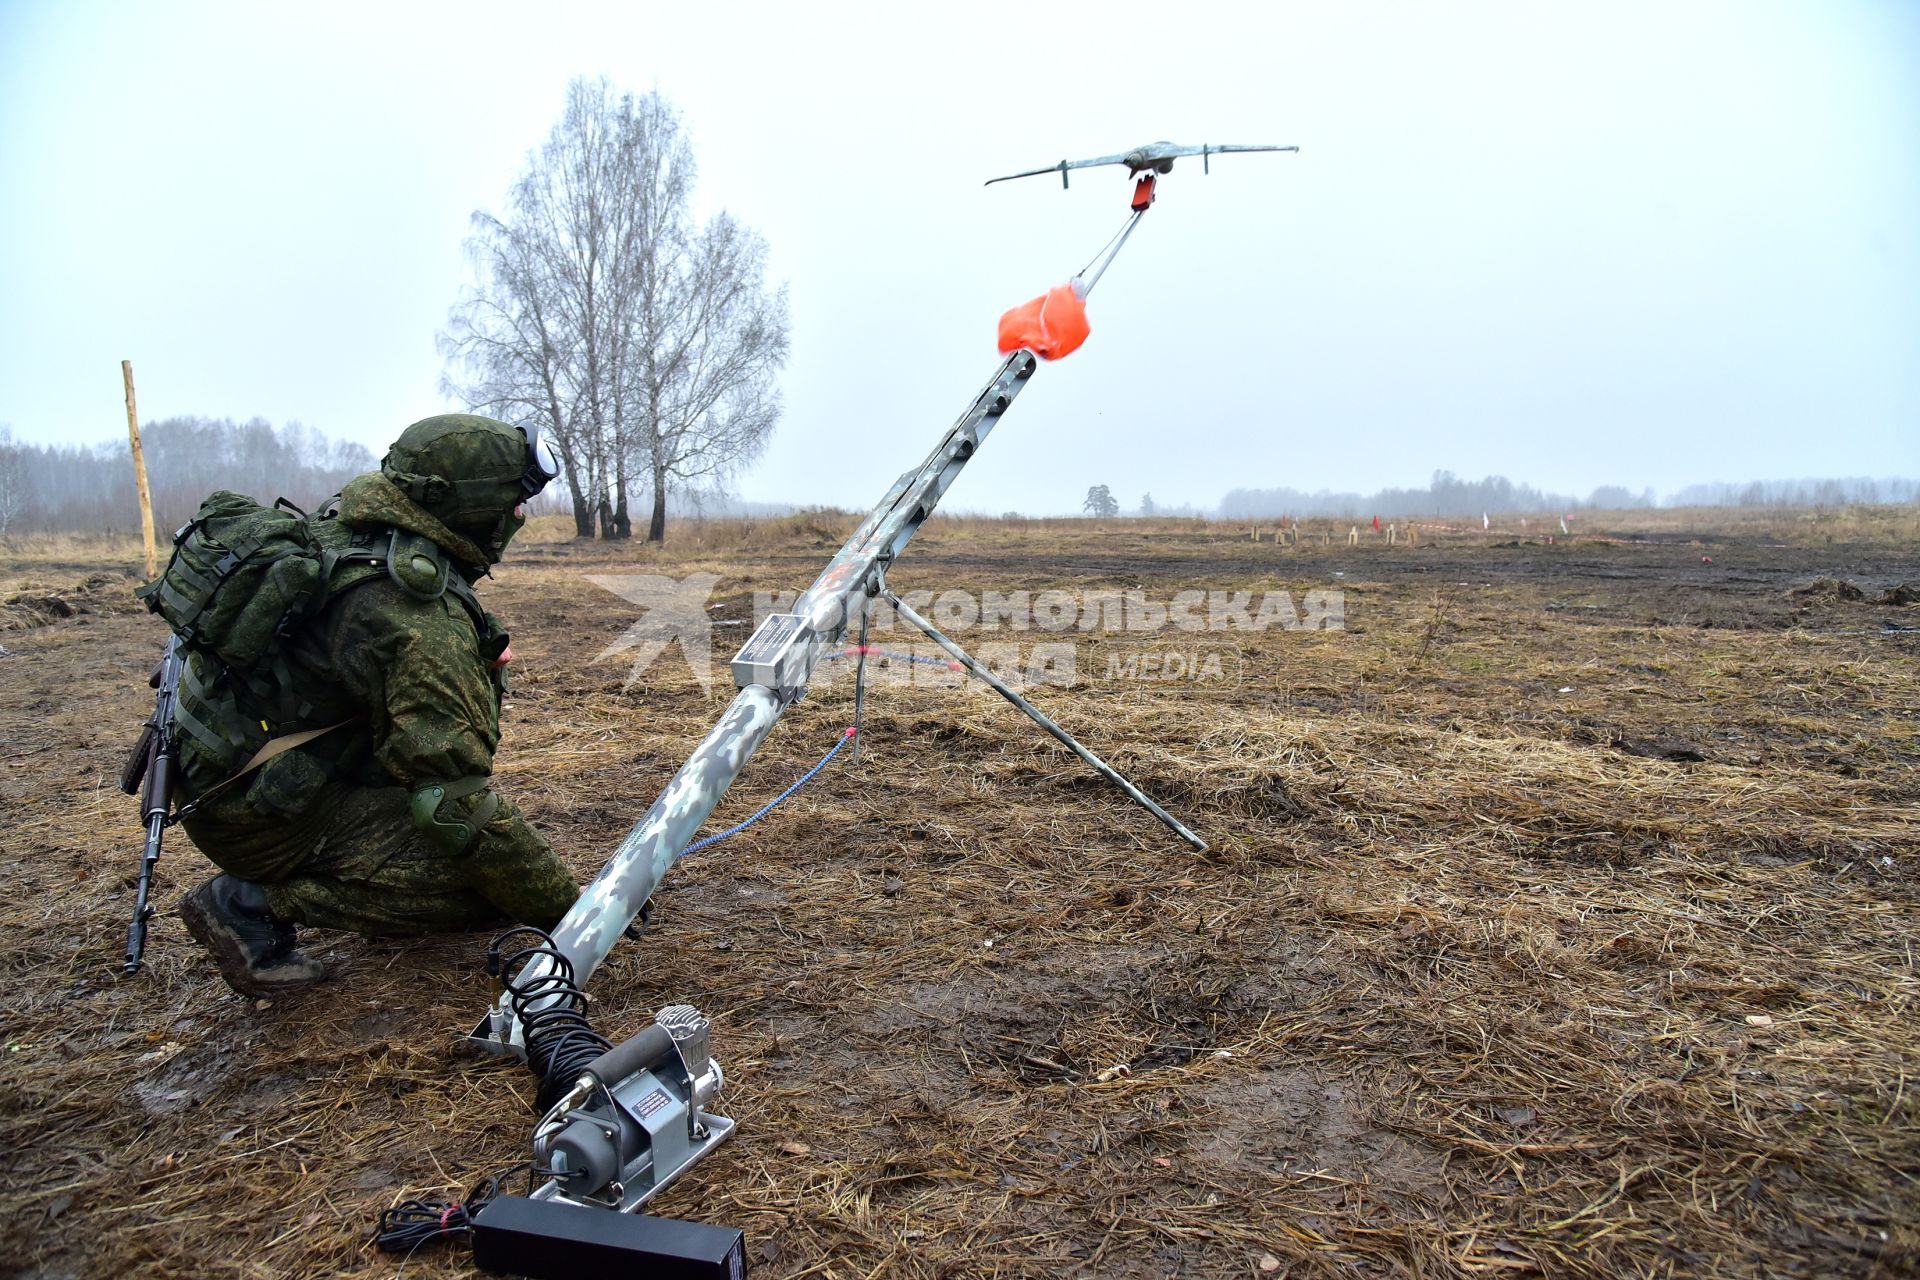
(516, 355)
(600, 315)
(715, 337)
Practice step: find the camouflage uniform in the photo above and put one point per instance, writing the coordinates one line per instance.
(337, 830)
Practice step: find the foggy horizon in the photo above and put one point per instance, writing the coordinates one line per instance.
(88, 487)
(1201, 505)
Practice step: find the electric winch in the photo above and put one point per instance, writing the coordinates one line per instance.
(636, 1118)
(619, 1124)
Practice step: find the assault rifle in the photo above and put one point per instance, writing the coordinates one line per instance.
(153, 761)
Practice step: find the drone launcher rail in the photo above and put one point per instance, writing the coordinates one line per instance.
(772, 670)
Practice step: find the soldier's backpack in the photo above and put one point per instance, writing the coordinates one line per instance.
(240, 577)
(243, 579)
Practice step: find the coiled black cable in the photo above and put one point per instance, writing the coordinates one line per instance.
(551, 1009)
(412, 1223)
(552, 1012)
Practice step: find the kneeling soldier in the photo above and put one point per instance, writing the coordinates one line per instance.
(381, 816)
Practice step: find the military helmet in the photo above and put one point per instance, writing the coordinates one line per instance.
(471, 472)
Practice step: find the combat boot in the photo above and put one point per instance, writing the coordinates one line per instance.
(253, 947)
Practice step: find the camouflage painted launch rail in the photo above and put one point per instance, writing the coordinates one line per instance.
(772, 670)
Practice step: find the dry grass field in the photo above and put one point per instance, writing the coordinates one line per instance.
(1559, 920)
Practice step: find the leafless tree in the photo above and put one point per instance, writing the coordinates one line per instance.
(715, 337)
(645, 346)
(505, 335)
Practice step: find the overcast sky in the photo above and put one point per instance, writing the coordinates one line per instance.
(1618, 243)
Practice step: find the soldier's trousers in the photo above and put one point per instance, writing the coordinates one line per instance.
(356, 862)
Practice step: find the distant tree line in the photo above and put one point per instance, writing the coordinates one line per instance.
(1797, 493)
(1449, 495)
(89, 488)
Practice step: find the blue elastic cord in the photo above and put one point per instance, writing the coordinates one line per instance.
(767, 808)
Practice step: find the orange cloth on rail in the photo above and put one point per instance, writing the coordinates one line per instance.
(1052, 325)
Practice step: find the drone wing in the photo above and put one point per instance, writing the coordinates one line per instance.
(1216, 148)
(1062, 167)
(1160, 155)
(1140, 158)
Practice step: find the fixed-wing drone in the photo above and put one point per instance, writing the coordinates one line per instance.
(1157, 156)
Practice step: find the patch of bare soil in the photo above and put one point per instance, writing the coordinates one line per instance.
(1827, 589)
(35, 602)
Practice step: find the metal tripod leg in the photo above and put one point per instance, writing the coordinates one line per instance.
(860, 678)
(1065, 739)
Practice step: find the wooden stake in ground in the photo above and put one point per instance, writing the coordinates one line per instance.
(140, 475)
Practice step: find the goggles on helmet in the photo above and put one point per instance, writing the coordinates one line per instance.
(543, 461)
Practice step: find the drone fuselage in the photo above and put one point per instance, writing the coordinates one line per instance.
(1143, 159)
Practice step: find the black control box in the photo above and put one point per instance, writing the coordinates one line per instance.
(553, 1240)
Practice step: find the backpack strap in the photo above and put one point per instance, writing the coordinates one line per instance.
(273, 685)
(277, 746)
(217, 742)
(460, 589)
